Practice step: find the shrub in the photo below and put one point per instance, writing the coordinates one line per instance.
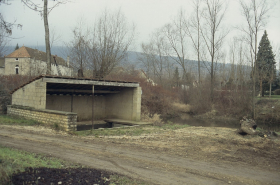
(235, 102)
(229, 101)
(199, 99)
(277, 92)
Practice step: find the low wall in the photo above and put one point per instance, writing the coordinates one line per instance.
(65, 120)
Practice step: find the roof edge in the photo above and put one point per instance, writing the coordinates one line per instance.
(66, 77)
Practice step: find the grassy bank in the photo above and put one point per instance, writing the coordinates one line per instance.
(9, 120)
(131, 131)
(12, 161)
(16, 161)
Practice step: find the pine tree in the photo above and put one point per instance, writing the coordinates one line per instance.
(16, 47)
(265, 63)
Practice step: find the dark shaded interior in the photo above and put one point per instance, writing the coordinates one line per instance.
(80, 89)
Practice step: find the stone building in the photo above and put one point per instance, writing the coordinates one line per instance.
(28, 61)
(66, 100)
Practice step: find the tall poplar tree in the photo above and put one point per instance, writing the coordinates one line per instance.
(265, 63)
(17, 47)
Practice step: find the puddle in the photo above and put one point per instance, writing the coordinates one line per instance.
(82, 126)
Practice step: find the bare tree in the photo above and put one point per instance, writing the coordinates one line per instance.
(243, 70)
(154, 59)
(54, 37)
(6, 29)
(256, 14)
(146, 58)
(78, 49)
(111, 38)
(44, 10)
(177, 40)
(7, 26)
(3, 41)
(193, 30)
(212, 33)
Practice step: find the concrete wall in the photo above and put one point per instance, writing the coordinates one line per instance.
(137, 93)
(124, 105)
(31, 95)
(82, 105)
(65, 120)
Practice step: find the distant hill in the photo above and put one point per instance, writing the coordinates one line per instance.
(131, 59)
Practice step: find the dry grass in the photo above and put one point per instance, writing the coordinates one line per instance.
(155, 120)
(180, 107)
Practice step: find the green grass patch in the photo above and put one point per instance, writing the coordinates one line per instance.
(272, 97)
(259, 129)
(130, 131)
(12, 161)
(15, 161)
(123, 180)
(9, 120)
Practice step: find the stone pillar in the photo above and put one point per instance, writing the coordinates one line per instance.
(136, 104)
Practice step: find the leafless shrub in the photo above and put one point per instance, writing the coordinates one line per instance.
(181, 107)
(155, 120)
(233, 102)
(200, 99)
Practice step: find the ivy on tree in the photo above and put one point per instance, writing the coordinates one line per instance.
(176, 77)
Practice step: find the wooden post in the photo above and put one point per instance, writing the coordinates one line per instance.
(72, 102)
(92, 108)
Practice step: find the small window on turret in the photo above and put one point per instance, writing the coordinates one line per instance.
(16, 59)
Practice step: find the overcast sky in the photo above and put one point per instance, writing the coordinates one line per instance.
(147, 15)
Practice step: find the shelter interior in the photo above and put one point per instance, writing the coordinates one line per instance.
(78, 99)
(91, 102)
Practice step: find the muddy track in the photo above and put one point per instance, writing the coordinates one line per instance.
(140, 163)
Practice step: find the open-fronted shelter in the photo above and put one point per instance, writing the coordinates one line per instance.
(66, 100)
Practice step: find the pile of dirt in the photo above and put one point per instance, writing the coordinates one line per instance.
(61, 176)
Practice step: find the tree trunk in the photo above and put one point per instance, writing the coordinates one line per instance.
(261, 89)
(47, 37)
(212, 82)
(253, 94)
(269, 89)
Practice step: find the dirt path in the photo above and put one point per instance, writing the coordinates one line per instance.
(131, 158)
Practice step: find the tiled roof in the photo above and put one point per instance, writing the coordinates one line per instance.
(26, 52)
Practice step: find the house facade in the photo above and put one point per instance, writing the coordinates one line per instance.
(28, 61)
